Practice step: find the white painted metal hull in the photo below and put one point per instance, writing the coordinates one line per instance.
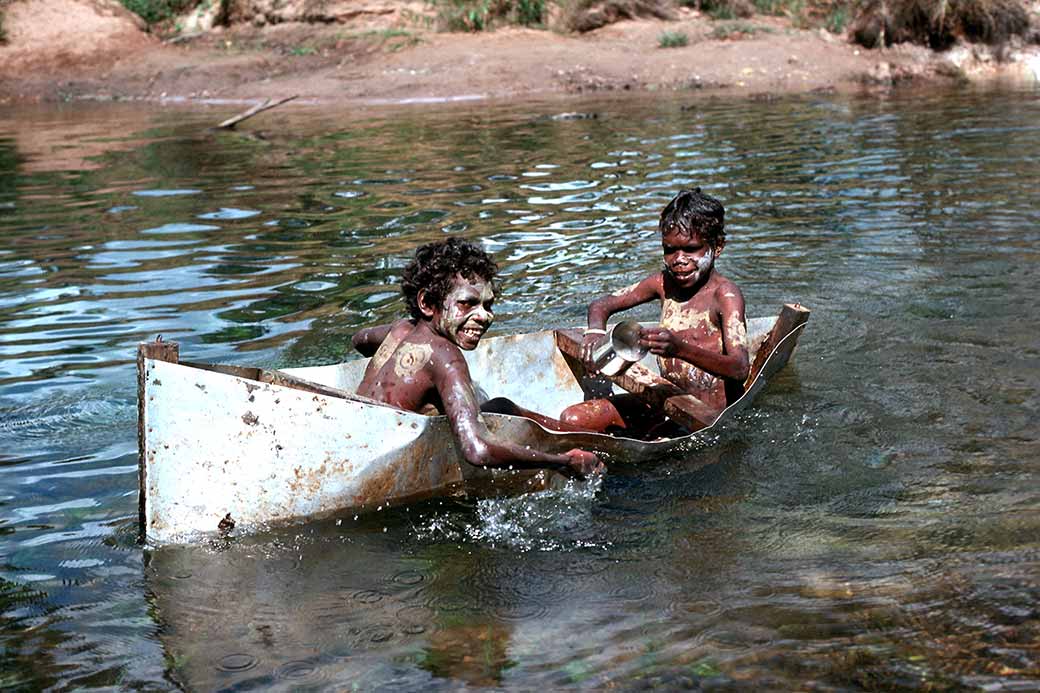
(214, 444)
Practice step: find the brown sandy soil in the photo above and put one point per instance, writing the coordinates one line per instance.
(93, 49)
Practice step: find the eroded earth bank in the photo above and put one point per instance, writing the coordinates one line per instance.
(387, 51)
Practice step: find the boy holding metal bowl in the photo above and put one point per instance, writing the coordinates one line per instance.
(701, 342)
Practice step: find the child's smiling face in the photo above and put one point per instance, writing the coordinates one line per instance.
(466, 313)
(687, 257)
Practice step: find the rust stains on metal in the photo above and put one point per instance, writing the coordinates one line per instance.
(420, 471)
(380, 487)
(250, 419)
(308, 483)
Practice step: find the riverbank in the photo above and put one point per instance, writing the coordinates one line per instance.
(93, 49)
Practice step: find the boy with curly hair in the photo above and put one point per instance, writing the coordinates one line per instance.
(701, 342)
(417, 362)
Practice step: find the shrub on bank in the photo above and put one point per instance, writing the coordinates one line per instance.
(478, 15)
(874, 23)
(672, 39)
(156, 11)
(940, 23)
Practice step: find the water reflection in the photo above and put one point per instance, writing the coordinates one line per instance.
(870, 524)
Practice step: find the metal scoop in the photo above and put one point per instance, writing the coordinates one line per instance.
(620, 349)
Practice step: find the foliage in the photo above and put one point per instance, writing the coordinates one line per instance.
(939, 23)
(478, 15)
(672, 39)
(155, 11)
(837, 19)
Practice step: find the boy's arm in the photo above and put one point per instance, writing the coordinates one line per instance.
(478, 446)
(732, 363)
(367, 340)
(634, 295)
(605, 306)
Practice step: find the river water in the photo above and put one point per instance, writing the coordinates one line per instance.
(872, 523)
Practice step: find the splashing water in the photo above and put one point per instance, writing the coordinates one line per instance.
(552, 520)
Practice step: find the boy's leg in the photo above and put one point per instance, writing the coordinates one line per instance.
(503, 405)
(624, 412)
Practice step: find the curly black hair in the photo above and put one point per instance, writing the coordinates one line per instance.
(435, 266)
(694, 211)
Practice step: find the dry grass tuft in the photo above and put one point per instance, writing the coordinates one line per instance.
(939, 23)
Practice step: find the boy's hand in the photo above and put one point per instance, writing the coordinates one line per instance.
(583, 463)
(659, 340)
(588, 345)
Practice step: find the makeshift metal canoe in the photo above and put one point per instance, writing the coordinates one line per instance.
(255, 446)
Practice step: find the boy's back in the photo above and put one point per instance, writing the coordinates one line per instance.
(401, 371)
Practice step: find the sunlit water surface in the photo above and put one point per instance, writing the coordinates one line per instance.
(872, 523)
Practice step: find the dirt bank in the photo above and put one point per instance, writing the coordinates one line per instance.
(69, 49)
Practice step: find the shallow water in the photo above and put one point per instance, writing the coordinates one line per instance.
(873, 522)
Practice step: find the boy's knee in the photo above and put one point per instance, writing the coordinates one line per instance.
(574, 415)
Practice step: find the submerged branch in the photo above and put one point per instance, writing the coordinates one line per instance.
(267, 105)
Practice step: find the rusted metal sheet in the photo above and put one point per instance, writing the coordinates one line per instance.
(268, 449)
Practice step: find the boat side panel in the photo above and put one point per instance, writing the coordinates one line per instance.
(526, 368)
(344, 376)
(217, 444)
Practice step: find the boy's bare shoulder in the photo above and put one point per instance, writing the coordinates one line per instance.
(727, 289)
(402, 326)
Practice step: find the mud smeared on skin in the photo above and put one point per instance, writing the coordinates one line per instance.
(384, 352)
(461, 398)
(410, 359)
(676, 317)
(627, 290)
(705, 262)
(737, 329)
(467, 312)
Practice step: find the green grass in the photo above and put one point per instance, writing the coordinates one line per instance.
(672, 39)
(155, 11)
(837, 19)
(479, 15)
